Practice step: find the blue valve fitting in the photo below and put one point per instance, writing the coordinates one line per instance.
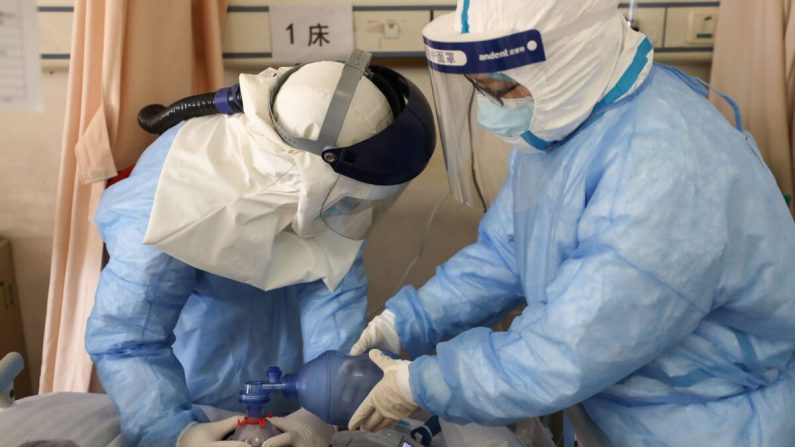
(274, 374)
(254, 396)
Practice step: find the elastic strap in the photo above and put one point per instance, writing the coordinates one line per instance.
(738, 116)
(703, 88)
(353, 71)
(343, 95)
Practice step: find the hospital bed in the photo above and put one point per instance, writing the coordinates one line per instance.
(90, 420)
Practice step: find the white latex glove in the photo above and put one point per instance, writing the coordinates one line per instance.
(390, 400)
(210, 434)
(301, 429)
(380, 333)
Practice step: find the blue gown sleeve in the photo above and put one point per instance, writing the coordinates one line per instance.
(476, 287)
(333, 320)
(140, 295)
(639, 280)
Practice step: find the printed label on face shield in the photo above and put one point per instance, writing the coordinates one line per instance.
(487, 56)
(446, 57)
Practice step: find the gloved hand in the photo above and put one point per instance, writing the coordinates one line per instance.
(380, 333)
(390, 400)
(301, 429)
(210, 434)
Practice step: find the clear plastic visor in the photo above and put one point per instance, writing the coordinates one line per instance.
(457, 98)
(468, 70)
(352, 208)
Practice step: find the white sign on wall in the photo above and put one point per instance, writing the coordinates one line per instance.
(20, 66)
(304, 32)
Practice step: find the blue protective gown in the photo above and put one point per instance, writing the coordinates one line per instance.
(165, 335)
(655, 255)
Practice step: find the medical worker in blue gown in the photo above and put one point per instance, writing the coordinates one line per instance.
(231, 250)
(643, 231)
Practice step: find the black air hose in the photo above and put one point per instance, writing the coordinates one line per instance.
(157, 118)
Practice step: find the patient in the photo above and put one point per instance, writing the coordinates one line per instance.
(232, 250)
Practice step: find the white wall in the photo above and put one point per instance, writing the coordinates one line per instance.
(29, 157)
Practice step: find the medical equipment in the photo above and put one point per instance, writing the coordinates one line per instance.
(10, 367)
(390, 400)
(383, 438)
(91, 420)
(409, 433)
(331, 386)
(632, 16)
(157, 118)
(254, 428)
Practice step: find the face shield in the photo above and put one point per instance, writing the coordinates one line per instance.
(469, 88)
(353, 207)
(373, 163)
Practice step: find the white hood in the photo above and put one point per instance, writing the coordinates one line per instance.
(588, 47)
(235, 200)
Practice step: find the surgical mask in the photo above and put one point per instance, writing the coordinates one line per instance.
(509, 120)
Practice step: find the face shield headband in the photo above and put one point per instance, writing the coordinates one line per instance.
(485, 56)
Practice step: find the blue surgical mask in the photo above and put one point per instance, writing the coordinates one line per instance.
(509, 120)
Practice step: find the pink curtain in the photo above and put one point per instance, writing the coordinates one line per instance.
(754, 63)
(125, 54)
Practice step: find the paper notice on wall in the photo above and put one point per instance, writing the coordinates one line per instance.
(20, 66)
(305, 32)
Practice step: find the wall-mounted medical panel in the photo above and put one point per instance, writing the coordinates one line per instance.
(681, 30)
(691, 27)
(390, 33)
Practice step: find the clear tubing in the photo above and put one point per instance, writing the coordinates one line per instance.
(632, 15)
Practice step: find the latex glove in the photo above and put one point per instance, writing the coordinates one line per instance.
(301, 429)
(380, 333)
(390, 400)
(210, 434)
